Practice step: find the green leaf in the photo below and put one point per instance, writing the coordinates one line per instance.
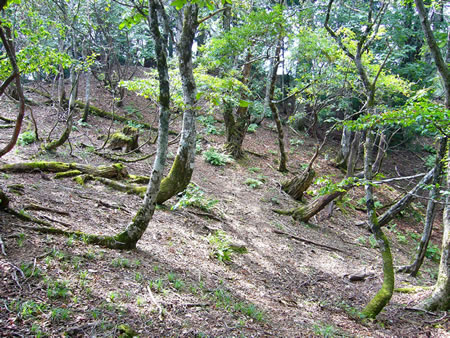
(243, 103)
(178, 4)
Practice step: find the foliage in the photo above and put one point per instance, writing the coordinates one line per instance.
(253, 183)
(216, 158)
(27, 137)
(222, 249)
(194, 197)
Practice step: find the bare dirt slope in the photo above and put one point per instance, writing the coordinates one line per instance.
(175, 283)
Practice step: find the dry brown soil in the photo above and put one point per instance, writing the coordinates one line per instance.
(172, 284)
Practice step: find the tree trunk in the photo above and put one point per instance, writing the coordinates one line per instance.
(299, 184)
(181, 172)
(383, 296)
(65, 135)
(404, 201)
(346, 141)
(6, 37)
(440, 298)
(87, 103)
(382, 147)
(353, 154)
(136, 228)
(236, 124)
(273, 77)
(306, 212)
(413, 269)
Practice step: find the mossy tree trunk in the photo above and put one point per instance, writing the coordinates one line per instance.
(128, 238)
(182, 168)
(414, 267)
(273, 78)
(383, 296)
(236, 123)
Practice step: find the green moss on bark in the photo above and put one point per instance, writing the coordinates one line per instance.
(176, 181)
(383, 296)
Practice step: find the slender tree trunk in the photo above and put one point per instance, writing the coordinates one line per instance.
(69, 123)
(6, 37)
(413, 269)
(236, 124)
(383, 296)
(353, 154)
(382, 147)
(404, 201)
(440, 298)
(346, 141)
(273, 78)
(181, 172)
(136, 228)
(87, 76)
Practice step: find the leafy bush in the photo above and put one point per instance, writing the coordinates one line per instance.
(194, 197)
(26, 138)
(222, 246)
(433, 252)
(213, 157)
(252, 128)
(253, 183)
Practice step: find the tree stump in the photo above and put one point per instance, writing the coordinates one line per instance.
(127, 139)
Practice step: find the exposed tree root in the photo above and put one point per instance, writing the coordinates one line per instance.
(112, 242)
(129, 188)
(38, 207)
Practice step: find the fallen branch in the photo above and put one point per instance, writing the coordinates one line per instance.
(116, 170)
(154, 301)
(37, 207)
(330, 248)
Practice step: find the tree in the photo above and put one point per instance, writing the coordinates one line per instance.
(136, 228)
(363, 42)
(183, 166)
(8, 44)
(440, 298)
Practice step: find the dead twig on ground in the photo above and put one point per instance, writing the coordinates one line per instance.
(330, 248)
(37, 207)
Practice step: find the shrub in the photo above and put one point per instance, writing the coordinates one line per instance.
(194, 197)
(26, 138)
(213, 157)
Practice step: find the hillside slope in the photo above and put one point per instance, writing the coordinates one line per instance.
(179, 282)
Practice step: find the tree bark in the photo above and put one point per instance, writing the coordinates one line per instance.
(236, 124)
(299, 184)
(440, 298)
(181, 172)
(383, 296)
(6, 37)
(273, 78)
(404, 201)
(414, 267)
(136, 228)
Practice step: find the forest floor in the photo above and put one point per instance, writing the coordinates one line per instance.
(174, 283)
